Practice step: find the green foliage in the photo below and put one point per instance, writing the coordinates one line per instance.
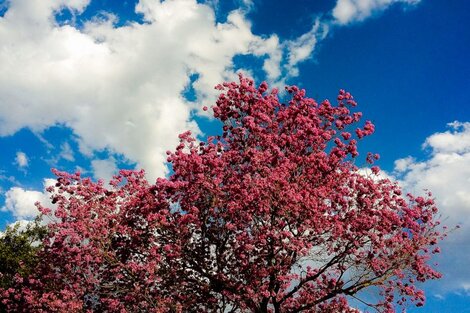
(18, 250)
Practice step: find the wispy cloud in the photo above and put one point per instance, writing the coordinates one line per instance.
(348, 11)
(66, 152)
(21, 159)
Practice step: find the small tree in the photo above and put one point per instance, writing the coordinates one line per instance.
(270, 216)
(19, 247)
(18, 250)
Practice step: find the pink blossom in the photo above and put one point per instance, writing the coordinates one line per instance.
(233, 224)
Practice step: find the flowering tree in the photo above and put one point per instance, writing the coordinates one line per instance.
(270, 216)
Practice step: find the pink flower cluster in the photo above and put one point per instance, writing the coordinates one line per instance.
(269, 216)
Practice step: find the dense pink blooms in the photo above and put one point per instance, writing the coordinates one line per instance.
(269, 216)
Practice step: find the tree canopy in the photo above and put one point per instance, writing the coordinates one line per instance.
(271, 215)
(19, 245)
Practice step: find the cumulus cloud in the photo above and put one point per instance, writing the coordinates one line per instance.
(21, 159)
(457, 139)
(120, 88)
(20, 202)
(446, 173)
(347, 11)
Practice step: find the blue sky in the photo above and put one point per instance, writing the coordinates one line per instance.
(99, 85)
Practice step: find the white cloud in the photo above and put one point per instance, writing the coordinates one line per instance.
(66, 152)
(457, 139)
(20, 202)
(367, 172)
(283, 58)
(273, 49)
(446, 173)
(21, 224)
(401, 165)
(347, 11)
(21, 159)
(104, 169)
(302, 47)
(120, 88)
